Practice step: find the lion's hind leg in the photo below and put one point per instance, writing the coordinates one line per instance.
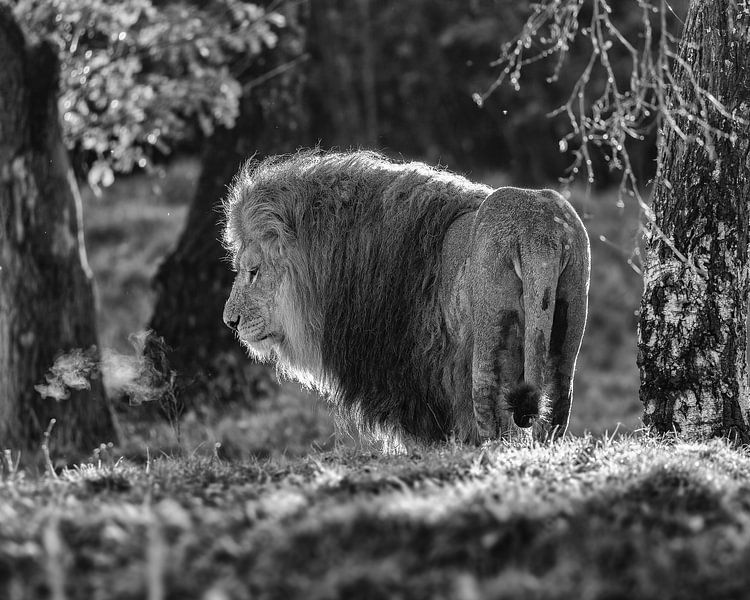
(568, 324)
(540, 268)
(498, 325)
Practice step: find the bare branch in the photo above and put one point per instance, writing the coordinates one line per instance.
(623, 108)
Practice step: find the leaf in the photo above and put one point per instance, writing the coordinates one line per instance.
(131, 67)
(100, 173)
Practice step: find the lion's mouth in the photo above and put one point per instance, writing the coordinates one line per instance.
(275, 338)
(264, 340)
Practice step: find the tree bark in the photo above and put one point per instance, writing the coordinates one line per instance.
(692, 332)
(340, 89)
(193, 282)
(367, 74)
(46, 297)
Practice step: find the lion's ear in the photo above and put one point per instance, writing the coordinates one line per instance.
(278, 239)
(285, 248)
(274, 246)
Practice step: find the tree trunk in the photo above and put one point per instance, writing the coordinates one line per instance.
(340, 90)
(693, 329)
(46, 298)
(193, 283)
(367, 74)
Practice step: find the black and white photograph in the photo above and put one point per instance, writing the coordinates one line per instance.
(374, 299)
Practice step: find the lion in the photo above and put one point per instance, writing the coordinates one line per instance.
(422, 304)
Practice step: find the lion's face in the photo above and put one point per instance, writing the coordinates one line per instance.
(251, 309)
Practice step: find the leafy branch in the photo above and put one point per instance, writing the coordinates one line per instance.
(139, 78)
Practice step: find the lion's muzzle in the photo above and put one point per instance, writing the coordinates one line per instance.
(232, 321)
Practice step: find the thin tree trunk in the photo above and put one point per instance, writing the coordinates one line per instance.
(692, 333)
(46, 298)
(337, 89)
(369, 87)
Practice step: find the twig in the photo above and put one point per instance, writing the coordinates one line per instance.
(11, 466)
(616, 113)
(276, 71)
(45, 448)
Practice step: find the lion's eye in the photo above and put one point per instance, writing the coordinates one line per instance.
(254, 274)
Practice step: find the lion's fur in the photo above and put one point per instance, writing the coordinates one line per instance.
(361, 240)
(362, 237)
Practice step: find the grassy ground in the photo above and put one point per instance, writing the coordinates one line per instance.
(585, 519)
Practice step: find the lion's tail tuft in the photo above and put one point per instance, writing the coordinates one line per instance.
(527, 403)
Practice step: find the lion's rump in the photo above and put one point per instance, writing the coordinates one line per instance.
(364, 239)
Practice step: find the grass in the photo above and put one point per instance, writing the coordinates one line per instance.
(585, 518)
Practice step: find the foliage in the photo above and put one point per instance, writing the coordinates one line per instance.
(177, 70)
(140, 76)
(585, 518)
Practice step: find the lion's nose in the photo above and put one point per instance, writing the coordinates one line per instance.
(233, 322)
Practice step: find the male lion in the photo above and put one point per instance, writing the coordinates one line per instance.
(421, 303)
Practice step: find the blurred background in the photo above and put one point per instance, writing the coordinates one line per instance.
(161, 101)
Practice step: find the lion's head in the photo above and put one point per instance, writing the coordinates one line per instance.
(252, 308)
(274, 304)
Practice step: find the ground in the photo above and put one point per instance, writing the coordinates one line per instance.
(586, 518)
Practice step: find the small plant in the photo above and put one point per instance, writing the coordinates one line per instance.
(10, 465)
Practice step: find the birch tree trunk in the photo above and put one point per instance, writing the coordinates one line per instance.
(692, 332)
(46, 296)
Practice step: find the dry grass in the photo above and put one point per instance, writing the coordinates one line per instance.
(586, 518)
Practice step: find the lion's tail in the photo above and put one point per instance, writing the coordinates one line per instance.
(527, 403)
(540, 273)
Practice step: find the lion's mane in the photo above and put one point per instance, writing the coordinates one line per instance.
(361, 237)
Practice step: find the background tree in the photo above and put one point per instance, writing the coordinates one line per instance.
(192, 284)
(693, 327)
(424, 60)
(46, 299)
(692, 334)
(142, 78)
